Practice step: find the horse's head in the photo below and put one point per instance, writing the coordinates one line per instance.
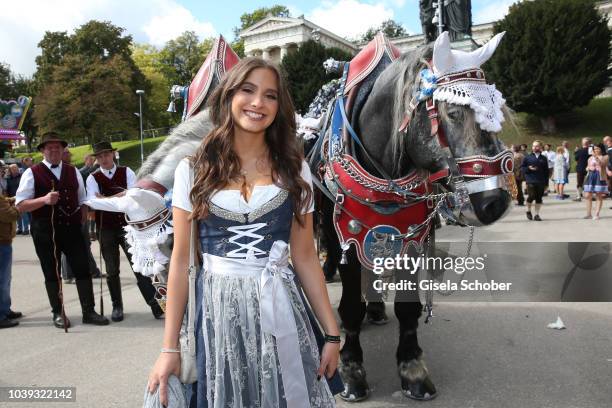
(451, 118)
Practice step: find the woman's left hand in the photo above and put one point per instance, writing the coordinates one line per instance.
(329, 360)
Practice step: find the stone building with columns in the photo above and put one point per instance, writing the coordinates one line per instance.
(274, 37)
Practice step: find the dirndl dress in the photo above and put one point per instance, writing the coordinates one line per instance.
(594, 184)
(255, 343)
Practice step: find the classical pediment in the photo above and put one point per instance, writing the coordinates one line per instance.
(271, 23)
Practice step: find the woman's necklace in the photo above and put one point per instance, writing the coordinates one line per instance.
(246, 188)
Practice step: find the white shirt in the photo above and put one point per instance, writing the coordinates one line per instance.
(231, 200)
(25, 191)
(92, 184)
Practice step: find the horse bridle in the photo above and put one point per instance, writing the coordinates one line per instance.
(488, 172)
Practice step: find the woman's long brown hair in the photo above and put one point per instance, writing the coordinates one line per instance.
(215, 162)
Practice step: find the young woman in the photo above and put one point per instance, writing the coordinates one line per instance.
(596, 181)
(559, 172)
(251, 196)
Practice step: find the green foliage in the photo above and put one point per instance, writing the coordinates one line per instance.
(305, 73)
(85, 83)
(82, 97)
(182, 57)
(6, 79)
(391, 28)
(554, 56)
(148, 60)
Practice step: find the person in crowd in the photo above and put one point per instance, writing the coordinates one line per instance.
(560, 173)
(54, 192)
(549, 153)
(111, 180)
(568, 164)
(249, 159)
(26, 163)
(581, 155)
(67, 274)
(12, 183)
(8, 215)
(535, 169)
(596, 182)
(89, 167)
(607, 141)
(519, 156)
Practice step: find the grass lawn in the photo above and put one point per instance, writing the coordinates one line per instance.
(593, 120)
(129, 152)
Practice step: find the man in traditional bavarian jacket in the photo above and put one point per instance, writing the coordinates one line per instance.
(111, 180)
(54, 192)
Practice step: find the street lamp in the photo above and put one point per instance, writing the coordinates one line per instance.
(140, 92)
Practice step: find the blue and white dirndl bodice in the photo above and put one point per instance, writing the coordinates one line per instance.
(255, 341)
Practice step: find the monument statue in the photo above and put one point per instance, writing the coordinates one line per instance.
(427, 12)
(456, 18)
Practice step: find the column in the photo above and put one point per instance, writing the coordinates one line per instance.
(283, 52)
(265, 54)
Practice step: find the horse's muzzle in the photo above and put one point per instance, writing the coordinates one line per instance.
(487, 207)
(484, 201)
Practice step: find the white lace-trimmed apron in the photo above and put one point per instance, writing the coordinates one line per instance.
(249, 314)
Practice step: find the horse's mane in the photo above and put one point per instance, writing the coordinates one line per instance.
(409, 65)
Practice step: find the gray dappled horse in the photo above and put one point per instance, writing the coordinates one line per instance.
(387, 97)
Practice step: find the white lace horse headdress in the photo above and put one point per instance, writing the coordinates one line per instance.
(456, 77)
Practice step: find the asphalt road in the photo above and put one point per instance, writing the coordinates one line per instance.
(480, 354)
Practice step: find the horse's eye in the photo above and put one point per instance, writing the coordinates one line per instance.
(454, 114)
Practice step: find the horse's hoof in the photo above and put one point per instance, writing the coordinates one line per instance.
(416, 383)
(355, 385)
(377, 317)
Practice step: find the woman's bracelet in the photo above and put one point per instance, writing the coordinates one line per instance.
(170, 350)
(331, 339)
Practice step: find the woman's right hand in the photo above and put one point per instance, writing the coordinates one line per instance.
(166, 364)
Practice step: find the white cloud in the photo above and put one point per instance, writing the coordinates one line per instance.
(152, 21)
(349, 18)
(174, 21)
(492, 11)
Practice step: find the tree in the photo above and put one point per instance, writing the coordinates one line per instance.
(390, 27)
(305, 72)
(182, 57)
(249, 19)
(554, 57)
(86, 82)
(6, 79)
(88, 100)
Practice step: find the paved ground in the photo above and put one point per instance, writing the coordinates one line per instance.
(480, 354)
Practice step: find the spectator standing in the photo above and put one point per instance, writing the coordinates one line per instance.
(608, 144)
(89, 167)
(519, 156)
(581, 155)
(550, 156)
(559, 173)
(596, 181)
(12, 183)
(8, 215)
(54, 192)
(535, 169)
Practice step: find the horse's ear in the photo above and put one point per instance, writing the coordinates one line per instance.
(482, 54)
(442, 54)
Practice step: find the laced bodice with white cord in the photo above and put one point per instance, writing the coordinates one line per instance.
(246, 235)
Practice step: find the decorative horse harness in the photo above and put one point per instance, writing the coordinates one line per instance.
(384, 216)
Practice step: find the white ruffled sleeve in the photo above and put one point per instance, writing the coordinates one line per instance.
(307, 176)
(181, 188)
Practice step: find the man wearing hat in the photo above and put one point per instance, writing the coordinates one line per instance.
(111, 180)
(54, 193)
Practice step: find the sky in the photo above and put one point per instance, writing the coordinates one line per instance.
(23, 24)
